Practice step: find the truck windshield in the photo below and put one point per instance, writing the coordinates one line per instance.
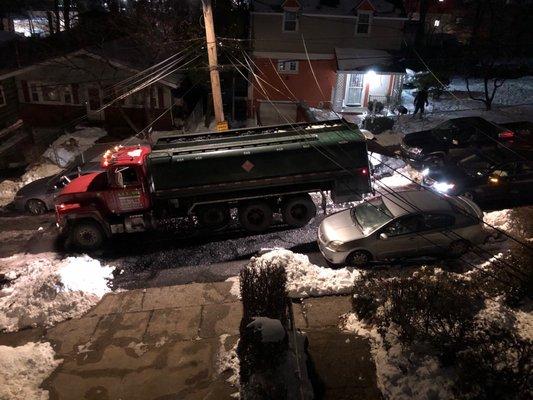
(371, 215)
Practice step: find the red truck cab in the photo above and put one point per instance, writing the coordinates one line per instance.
(89, 204)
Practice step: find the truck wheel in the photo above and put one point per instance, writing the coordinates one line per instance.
(255, 217)
(36, 207)
(298, 211)
(86, 236)
(213, 216)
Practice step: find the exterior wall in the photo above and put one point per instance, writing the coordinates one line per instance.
(302, 84)
(9, 112)
(385, 34)
(49, 115)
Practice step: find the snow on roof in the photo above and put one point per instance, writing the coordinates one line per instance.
(345, 7)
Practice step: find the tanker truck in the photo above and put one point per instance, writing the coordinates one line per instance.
(243, 177)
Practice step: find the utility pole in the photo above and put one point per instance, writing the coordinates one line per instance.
(211, 40)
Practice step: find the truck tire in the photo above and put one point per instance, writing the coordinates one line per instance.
(86, 235)
(213, 216)
(298, 211)
(255, 216)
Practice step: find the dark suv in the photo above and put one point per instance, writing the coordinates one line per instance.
(455, 138)
(488, 179)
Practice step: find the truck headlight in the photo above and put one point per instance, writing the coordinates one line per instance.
(335, 245)
(443, 187)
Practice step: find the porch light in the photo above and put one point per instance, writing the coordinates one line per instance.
(371, 77)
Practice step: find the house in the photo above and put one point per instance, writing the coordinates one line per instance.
(444, 18)
(333, 54)
(86, 85)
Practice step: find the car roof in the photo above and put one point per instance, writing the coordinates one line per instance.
(413, 201)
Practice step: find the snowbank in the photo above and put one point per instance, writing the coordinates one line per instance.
(46, 290)
(68, 146)
(402, 374)
(9, 188)
(24, 368)
(304, 279)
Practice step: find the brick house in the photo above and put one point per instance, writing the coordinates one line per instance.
(60, 91)
(350, 50)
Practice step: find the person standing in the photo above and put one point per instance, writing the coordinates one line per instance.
(421, 101)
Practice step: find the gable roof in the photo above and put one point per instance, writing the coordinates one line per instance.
(119, 54)
(386, 8)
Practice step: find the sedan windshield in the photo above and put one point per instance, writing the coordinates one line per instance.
(371, 215)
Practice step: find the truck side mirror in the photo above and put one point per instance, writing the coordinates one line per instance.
(119, 179)
(383, 236)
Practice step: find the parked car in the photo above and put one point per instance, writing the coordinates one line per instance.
(38, 196)
(486, 178)
(454, 138)
(401, 225)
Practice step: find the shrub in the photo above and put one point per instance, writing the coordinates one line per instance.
(377, 125)
(263, 293)
(450, 314)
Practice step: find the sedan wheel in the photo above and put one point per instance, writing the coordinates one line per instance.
(358, 259)
(36, 207)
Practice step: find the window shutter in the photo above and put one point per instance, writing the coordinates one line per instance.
(76, 93)
(25, 91)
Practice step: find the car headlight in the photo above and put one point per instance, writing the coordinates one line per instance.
(414, 150)
(443, 187)
(334, 245)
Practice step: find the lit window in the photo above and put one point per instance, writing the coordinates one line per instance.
(51, 93)
(3, 100)
(288, 66)
(363, 23)
(436, 23)
(34, 90)
(290, 21)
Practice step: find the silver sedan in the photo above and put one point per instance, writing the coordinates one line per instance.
(401, 225)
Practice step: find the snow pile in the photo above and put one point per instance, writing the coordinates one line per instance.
(403, 177)
(9, 188)
(228, 363)
(47, 290)
(24, 368)
(403, 374)
(501, 219)
(304, 279)
(68, 146)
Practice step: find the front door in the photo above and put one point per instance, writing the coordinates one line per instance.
(94, 103)
(354, 90)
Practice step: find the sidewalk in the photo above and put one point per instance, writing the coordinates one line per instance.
(163, 343)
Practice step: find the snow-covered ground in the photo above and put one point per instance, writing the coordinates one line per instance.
(42, 290)
(24, 368)
(304, 279)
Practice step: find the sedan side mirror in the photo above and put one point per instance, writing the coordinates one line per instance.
(383, 236)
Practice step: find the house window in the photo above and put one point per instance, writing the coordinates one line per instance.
(288, 66)
(51, 94)
(3, 100)
(436, 23)
(290, 21)
(363, 23)
(34, 92)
